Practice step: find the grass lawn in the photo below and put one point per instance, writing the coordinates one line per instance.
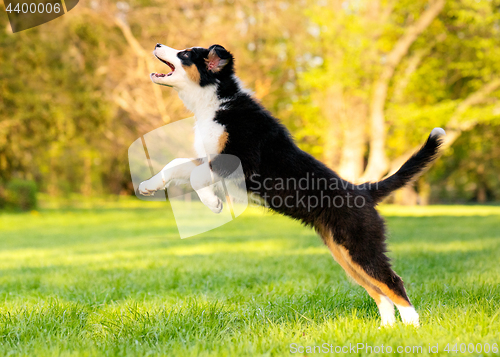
(118, 280)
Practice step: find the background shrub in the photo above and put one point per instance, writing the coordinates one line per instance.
(20, 195)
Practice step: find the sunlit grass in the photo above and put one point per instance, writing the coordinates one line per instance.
(116, 279)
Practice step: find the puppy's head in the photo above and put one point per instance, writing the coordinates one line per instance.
(197, 65)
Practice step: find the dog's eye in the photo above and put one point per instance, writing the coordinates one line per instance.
(185, 54)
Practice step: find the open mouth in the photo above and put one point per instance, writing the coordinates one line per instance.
(168, 64)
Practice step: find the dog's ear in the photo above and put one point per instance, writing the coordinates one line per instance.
(218, 57)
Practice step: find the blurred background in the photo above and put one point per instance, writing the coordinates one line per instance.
(360, 84)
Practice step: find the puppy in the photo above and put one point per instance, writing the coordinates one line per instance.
(230, 121)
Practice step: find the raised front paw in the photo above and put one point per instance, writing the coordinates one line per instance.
(217, 207)
(146, 189)
(211, 201)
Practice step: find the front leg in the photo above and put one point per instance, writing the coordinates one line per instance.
(178, 169)
(202, 183)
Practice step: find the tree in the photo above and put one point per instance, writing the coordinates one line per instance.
(359, 83)
(418, 65)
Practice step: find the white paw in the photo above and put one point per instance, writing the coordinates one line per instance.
(387, 323)
(214, 205)
(146, 189)
(210, 199)
(386, 308)
(409, 315)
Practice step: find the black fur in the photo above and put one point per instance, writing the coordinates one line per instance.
(267, 152)
(198, 56)
(410, 169)
(269, 157)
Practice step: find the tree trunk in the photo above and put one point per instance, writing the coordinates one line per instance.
(332, 108)
(353, 146)
(86, 188)
(407, 196)
(377, 161)
(145, 56)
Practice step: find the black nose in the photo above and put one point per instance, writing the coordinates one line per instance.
(158, 45)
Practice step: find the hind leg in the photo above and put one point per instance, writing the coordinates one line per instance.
(374, 273)
(384, 304)
(377, 271)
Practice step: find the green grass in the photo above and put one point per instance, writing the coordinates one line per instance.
(117, 280)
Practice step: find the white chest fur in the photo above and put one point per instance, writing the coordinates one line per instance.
(203, 102)
(207, 134)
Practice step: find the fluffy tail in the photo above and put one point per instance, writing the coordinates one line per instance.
(411, 168)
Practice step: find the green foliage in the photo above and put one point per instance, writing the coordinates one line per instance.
(69, 107)
(19, 195)
(450, 61)
(119, 282)
(411, 123)
(51, 99)
(469, 170)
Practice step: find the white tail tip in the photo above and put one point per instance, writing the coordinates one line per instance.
(438, 132)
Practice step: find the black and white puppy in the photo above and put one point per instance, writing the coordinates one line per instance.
(230, 121)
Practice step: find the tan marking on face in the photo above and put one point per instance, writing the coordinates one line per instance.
(222, 141)
(193, 73)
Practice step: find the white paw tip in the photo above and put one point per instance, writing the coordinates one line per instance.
(438, 132)
(415, 323)
(217, 209)
(409, 316)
